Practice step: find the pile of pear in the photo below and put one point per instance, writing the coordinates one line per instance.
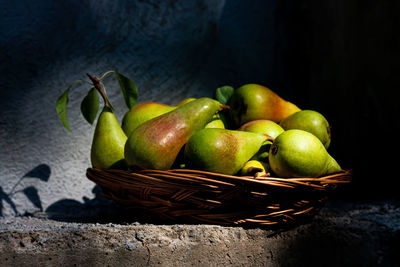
(266, 135)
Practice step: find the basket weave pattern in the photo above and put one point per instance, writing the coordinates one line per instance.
(194, 196)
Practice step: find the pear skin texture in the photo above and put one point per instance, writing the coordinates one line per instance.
(141, 113)
(263, 126)
(218, 124)
(108, 142)
(310, 121)
(155, 144)
(214, 123)
(185, 101)
(256, 102)
(222, 151)
(297, 153)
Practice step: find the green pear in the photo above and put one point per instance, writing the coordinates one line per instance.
(297, 153)
(253, 168)
(156, 143)
(255, 102)
(222, 151)
(263, 126)
(108, 143)
(310, 121)
(141, 113)
(216, 122)
(262, 155)
(267, 127)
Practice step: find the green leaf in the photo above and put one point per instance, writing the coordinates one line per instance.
(90, 105)
(128, 89)
(225, 118)
(61, 107)
(224, 93)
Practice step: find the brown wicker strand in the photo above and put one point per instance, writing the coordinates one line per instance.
(194, 196)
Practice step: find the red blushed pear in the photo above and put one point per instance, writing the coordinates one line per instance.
(156, 143)
(146, 111)
(256, 102)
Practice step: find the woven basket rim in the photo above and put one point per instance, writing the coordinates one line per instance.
(205, 197)
(342, 177)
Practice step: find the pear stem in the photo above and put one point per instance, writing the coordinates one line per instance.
(225, 107)
(96, 84)
(270, 138)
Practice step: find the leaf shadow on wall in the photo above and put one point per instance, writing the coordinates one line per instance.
(41, 172)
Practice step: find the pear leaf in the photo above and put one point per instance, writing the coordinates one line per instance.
(224, 93)
(224, 117)
(61, 107)
(128, 89)
(90, 105)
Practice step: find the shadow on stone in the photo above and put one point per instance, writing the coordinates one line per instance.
(90, 210)
(96, 210)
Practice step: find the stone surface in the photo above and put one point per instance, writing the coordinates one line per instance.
(343, 234)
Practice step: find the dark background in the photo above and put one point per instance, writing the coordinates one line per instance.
(340, 58)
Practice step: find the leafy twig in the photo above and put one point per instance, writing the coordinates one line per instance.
(96, 84)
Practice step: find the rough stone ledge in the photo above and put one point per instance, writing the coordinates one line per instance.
(343, 234)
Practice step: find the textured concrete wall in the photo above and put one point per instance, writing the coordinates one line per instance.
(171, 49)
(338, 58)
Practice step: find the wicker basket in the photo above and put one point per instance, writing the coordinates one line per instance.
(193, 196)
